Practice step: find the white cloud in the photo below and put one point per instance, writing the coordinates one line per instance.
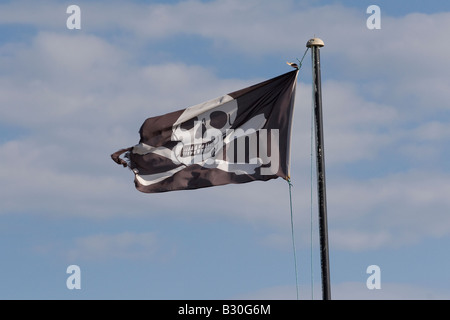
(350, 239)
(394, 210)
(252, 27)
(356, 128)
(125, 245)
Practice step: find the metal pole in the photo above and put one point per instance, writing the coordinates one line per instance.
(315, 44)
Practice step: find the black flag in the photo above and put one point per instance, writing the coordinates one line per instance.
(237, 138)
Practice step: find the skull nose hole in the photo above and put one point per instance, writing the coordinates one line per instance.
(218, 119)
(200, 132)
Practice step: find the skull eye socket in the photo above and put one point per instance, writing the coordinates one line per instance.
(189, 124)
(218, 119)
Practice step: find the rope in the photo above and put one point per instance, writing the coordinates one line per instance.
(288, 179)
(292, 233)
(301, 61)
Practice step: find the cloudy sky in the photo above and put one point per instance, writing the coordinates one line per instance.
(69, 98)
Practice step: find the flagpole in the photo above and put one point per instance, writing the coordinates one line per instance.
(315, 44)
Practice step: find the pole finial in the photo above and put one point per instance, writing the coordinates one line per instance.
(315, 42)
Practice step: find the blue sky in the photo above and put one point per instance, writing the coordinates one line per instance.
(70, 98)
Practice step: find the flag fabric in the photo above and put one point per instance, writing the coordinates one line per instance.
(240, 137)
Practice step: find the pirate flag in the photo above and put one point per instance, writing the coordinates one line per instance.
(236, 138)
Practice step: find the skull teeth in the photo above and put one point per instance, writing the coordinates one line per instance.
(191, 150)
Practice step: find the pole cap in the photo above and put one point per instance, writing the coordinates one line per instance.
(315, 42)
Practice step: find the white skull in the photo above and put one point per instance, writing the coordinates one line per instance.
(201, 135)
